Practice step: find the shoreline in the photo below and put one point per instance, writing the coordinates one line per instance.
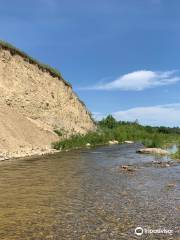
(26, 153)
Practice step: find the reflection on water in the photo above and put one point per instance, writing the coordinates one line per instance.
(173, 149)
(84, 195)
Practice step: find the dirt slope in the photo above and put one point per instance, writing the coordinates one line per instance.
(33, 103)
(20, 137)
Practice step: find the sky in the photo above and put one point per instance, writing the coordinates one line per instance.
(121, 56)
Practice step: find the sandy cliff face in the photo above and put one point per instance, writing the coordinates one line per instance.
(31, 100)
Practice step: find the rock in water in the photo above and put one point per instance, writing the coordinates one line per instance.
(113, 142)
(153, 151)
(128, 142)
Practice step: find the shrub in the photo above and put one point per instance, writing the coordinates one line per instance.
(109, 122)
(109, 129)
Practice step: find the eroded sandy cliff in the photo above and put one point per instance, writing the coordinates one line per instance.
(33, 103)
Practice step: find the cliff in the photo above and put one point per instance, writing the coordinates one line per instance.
(34, 101)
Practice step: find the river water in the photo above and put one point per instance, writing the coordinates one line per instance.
(85, 194)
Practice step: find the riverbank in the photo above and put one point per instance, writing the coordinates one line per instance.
(26, 152)
(110, 131)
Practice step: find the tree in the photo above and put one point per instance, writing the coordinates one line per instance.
(109, 122)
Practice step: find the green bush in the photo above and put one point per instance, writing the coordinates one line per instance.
(109, 129)
(109, 122)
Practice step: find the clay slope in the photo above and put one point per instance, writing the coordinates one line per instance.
(34, 102)
(20, 137)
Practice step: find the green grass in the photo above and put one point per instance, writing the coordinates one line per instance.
(110, 129)
(177, 154)
(79, 141)
(44, 67)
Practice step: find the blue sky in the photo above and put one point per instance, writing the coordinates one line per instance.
(121, 56)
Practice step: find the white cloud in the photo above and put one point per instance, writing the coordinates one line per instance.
(139, 80)
(160, 115)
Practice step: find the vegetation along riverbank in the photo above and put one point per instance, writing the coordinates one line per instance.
(109, 129)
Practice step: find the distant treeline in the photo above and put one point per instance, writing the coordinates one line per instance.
(111, 122)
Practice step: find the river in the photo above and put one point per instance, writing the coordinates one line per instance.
(85, 194)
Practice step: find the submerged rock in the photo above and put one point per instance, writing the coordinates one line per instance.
(153, 151)
(171, 185)
(128, 168)
(161, 163)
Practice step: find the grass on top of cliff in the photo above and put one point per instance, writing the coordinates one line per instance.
(109, 129)
(44, 67)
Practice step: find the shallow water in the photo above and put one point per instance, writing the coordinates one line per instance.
(85, 194)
